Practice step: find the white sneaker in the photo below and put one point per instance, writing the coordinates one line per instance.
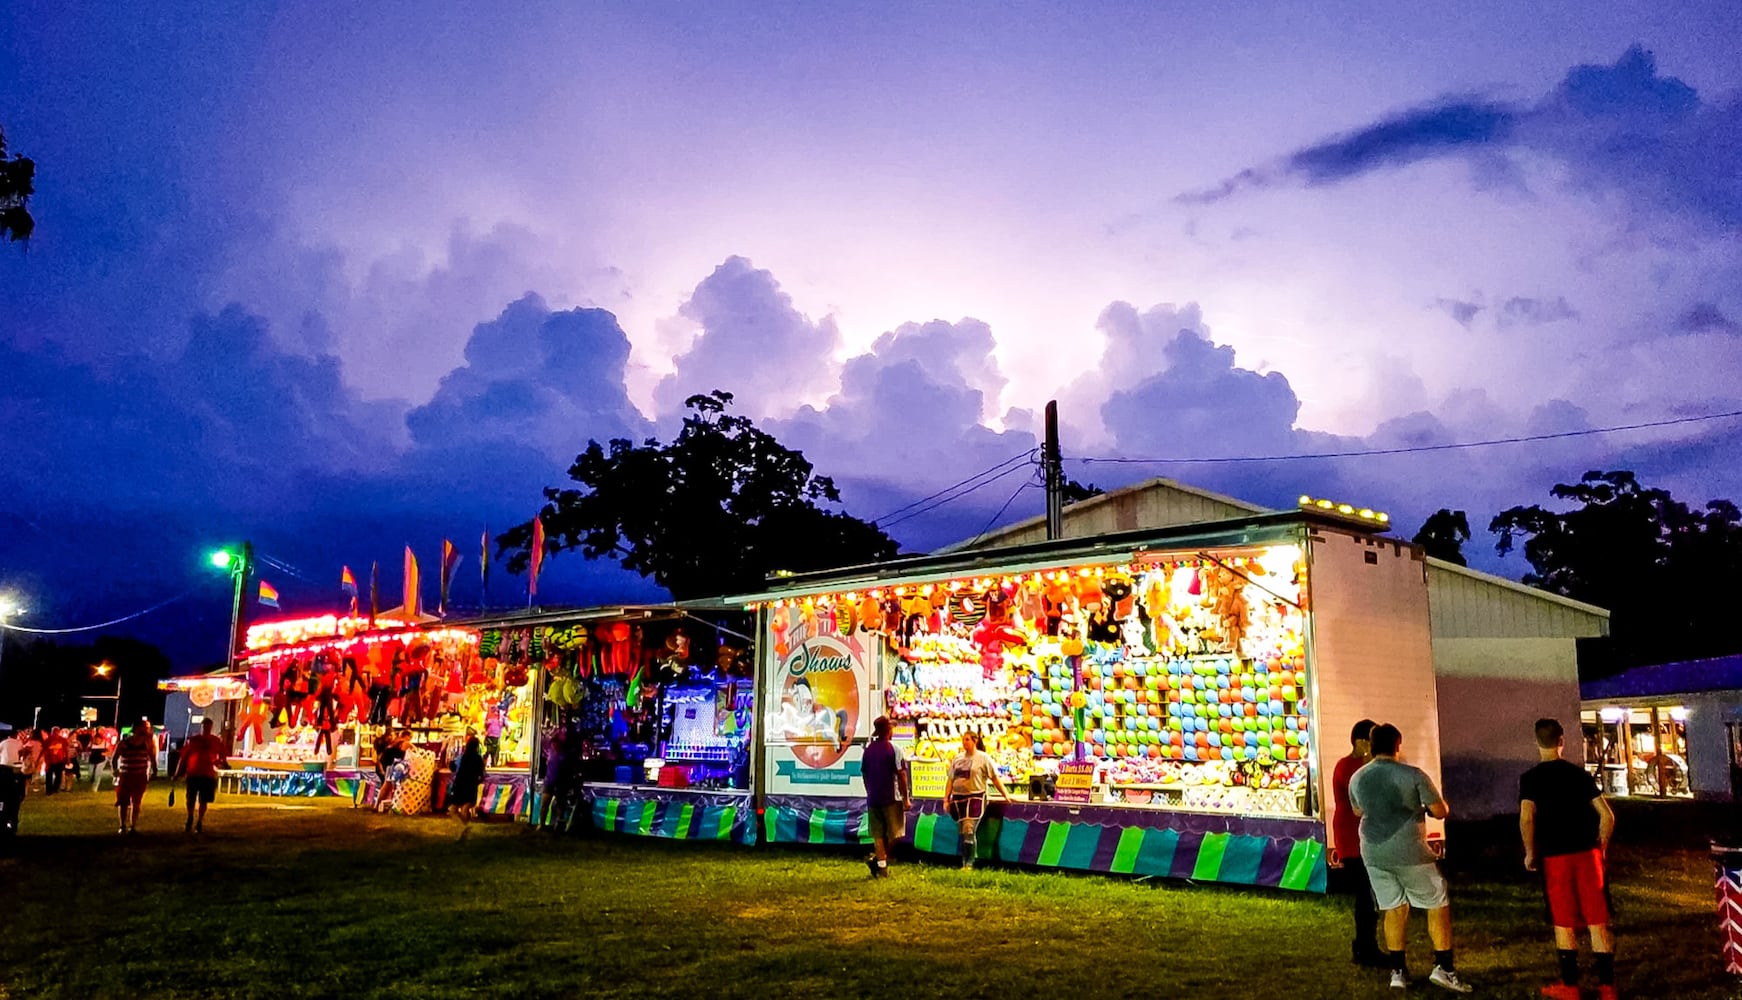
(1399, 979)
(1448, 980)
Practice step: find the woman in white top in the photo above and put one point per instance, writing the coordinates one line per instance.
(970, 775)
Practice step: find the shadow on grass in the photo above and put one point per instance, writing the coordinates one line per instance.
(330, 901)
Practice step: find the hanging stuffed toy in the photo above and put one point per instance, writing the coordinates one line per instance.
(966, 609)
(870, 614)
(777, 625)
(1120, 597)
(1055, 596)
(846, 617)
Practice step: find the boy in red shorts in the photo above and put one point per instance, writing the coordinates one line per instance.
(1566, 827)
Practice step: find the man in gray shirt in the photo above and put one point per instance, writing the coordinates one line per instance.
(1394, 800)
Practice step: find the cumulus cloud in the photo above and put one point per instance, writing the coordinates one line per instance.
(537, 379)
(1704, 317)
(909, 416)
(1620, 127)
(751, 341)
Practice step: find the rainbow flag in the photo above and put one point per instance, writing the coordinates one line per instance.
(347, 582)
(537, 556)
(268, 594)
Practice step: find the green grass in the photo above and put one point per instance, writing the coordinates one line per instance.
(309, 898)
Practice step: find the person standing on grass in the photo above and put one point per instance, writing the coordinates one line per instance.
(55, 751)
(1566, 824)
(200, 759)
(887, 795)
(135, 764)
(30, 754)
(468, 778)
(1394, 800)
(12, 781)
(970, 776)
(1348, 874)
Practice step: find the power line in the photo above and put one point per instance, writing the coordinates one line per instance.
(953, 497)
(92, 628)
(1415, 449)
(994, 518)
(1029, 454)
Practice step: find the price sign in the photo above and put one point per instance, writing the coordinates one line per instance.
(1076, 781)
(928, 778)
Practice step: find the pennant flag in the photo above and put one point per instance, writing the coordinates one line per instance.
(537, 555)
(450, 562)
(348, 583)
(484, 563)
(268, 594)
(413, 591)
(374, 592)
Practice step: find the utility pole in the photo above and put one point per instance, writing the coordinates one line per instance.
(239, 576)
(1053, 463)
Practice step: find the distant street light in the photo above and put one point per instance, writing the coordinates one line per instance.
(103, 670)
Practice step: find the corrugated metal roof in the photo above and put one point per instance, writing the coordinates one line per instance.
(993, 539)
(1516, 587)
(1722, 673)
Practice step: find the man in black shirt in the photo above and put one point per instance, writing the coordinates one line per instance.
(1566, 827)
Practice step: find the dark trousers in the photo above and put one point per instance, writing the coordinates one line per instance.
(1351, 880)
(53, 780)
(11, 797)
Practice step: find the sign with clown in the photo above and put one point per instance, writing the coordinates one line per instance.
(818, 697)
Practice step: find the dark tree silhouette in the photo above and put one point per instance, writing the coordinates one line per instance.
(57, 677)
(17, 184)
(1443, 535)
(1664, 570)
(715, 511)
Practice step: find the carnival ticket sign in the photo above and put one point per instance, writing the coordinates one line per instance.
(1076, 781)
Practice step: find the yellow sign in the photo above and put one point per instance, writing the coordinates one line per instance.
(928, 779)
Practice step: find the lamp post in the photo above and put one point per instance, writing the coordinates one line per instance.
(103, 670)
(239, 565)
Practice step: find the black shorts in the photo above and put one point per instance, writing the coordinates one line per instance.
(202, 789)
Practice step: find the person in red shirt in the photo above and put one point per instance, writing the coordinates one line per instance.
(1348, 873)
(56, 751)
(199, 761)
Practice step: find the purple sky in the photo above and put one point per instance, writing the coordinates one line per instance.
(341, 278)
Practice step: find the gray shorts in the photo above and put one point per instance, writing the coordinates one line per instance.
(1420, 886)
(886, 823)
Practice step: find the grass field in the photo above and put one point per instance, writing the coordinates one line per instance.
(309, 898)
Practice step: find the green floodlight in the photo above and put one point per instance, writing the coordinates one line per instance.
(223, 558)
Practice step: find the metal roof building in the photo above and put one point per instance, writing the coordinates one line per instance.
(1504, 654)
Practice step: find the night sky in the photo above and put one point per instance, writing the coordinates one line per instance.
(339, 278)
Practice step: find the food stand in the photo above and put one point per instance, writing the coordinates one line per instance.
(651, 711)
(1154, 699)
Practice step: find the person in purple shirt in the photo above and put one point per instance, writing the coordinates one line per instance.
(888, 795)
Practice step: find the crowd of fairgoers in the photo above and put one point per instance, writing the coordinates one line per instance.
(57, 760)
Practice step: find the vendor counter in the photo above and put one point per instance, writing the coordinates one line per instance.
(504, 792)
(673, 813)
(1275, 852)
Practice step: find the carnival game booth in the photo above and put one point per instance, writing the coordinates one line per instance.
(325, 690)
(1165, 703)
(650, 712)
